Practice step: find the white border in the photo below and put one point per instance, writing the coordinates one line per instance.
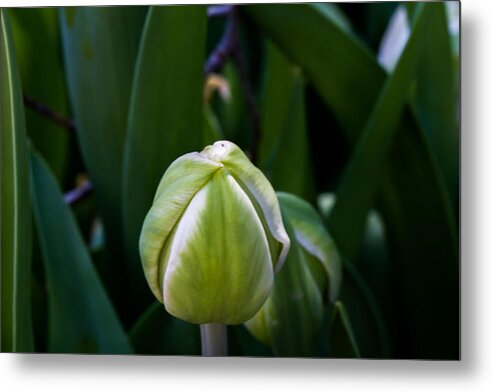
(119, 374)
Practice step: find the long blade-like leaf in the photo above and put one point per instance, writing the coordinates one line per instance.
(37, 42)
(413, 200)
(166, 112)
(436, 101)
(157, 332)
(361, 179)
(15, 211)
(342, 338)
(365, 314)
(333, 60)
(284, 149)
(81, 316)
(100, 48)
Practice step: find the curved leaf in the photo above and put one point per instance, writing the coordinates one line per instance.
(290, 318)
(231, 112)
(100, 49)
(37, 42)
(15, 211)
(338, 65)
(436, 102)
(363, 174)
(315, 240)
(211, 127)
(413, 199)
(342, 338)
(367, 322)
(166, 110)
(284, 154)
(81, 316)
(157, 332)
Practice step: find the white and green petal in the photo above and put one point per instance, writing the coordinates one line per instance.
(256, 185)
(182, 180)
(209, 244)
(219, 268)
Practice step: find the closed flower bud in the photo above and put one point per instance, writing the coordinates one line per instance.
(291, 316)
(213, 238)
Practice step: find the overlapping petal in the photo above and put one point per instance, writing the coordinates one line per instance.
(219, 257)
(213, 237)
(183, 179)
(261, 192)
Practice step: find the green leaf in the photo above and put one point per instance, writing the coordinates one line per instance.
(231, 112)
(291, 317)
(373, 261)
(284, 154)
(37, 42)
(315, 240)
(16, 328)
(337, 64)
(100, 48)
(435, 98)
(166, 110)
(335, 14)
(358, 187)
(342, 339)
(414, 204)
(367, 321)
(157, 332)
(242, 343)
(212, 131)
(423, 244)
(81, 316)
(436, 101)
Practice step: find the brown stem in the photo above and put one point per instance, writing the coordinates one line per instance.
(48, 113)
(226, 45)
(251, 106)
(229, 47)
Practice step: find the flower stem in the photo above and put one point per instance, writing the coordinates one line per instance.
(214, 340)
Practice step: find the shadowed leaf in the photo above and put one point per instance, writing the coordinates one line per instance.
(342, 339)
(37, 41)
(100, 47)
(166, 112)
(157, 332)
(284, 149)
(81, 316)
(413, 201)
(15, 211)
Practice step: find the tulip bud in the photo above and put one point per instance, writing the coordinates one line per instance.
(292, 314)
(213, 238)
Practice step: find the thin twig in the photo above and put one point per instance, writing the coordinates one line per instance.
(229, 47)
(251, 106)
(224, 48)
(78, 193)
(48, 113)
(217, 10)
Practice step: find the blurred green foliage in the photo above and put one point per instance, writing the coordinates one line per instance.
(374, 148)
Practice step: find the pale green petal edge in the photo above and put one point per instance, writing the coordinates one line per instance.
(218, 271)
(181, 181)
(261, 191)
(313, 237)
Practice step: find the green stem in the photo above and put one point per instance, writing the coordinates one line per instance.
(214, 340)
